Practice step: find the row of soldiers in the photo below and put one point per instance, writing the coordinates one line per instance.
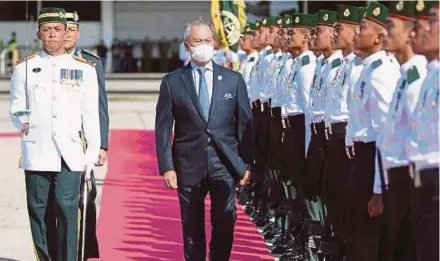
(345, 109)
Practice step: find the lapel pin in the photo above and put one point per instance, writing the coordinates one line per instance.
(220, 77)
(36, 70)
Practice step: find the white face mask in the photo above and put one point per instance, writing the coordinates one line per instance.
(202, 53)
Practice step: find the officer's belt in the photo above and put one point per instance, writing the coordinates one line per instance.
(397, 174)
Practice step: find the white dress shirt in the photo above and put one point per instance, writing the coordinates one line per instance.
(246, 69)
(423, 142)
(372, 96)
(354, 73)
(209, 77)
(337, 94)
(323, 80)
(399, 122)
(276, 87)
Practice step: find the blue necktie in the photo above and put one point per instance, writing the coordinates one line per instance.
(203, 92)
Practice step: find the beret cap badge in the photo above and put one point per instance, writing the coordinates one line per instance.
(346, 12)
(399, 6)
(297, 19)
(325, 18)
(376, 11)
(420, 6)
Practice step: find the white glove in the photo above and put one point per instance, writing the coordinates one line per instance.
(88, 171)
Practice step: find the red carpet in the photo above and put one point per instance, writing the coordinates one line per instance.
(140, 219)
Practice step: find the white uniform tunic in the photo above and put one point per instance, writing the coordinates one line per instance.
(423, 141)
(60, 105)
(399, 116)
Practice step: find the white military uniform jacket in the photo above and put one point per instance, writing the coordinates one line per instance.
(354, 73)
(423, 141)
(246, 69)
(399, 116)
(60, 105)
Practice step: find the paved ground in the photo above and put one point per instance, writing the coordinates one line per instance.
(15, 241)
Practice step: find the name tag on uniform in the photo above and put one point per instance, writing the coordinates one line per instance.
(71, 77)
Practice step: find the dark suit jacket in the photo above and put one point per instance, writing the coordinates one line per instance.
(229, 126)
(103, 104)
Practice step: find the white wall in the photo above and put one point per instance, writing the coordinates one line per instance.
(90, 33)
(135, 20)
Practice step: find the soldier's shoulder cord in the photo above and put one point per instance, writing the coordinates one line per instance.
(79, 59)
(25, 59)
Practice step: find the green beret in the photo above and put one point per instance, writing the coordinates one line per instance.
(362, 13)
(257, 25)
(303, 20)
(377, 13)
(278, 21)
(72, 18)
(348, 14)
(401, 10)
(287, 21)
(326, 17)
(267, 21)
(51, 15)
(249, 29)
(422, 8)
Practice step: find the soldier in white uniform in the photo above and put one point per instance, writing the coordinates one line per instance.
(423, 143)
(337, 165)
(317, 101)
(372, 95)
(354, 72)
(394, 166)
(53, 103)
(275, 132)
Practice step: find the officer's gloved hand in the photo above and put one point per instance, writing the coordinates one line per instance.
(88, 171)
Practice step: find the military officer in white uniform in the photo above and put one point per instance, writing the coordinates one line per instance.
(54, 103)
(395, 164)
(372, 95)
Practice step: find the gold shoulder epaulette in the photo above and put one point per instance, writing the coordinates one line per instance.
(79, 59)
(25, 59)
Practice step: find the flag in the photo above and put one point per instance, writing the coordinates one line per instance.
(229, 19)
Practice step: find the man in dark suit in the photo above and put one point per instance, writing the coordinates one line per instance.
(212, 144)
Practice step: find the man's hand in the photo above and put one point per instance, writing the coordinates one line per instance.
(246, 179)
(375, 206)
(102, 157)
(25, 129)
(170, 178)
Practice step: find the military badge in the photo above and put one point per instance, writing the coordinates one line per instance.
(376, 11)
(346, 12)
(420, 6)
(297, 19)
(325, 18)
(36, 70)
